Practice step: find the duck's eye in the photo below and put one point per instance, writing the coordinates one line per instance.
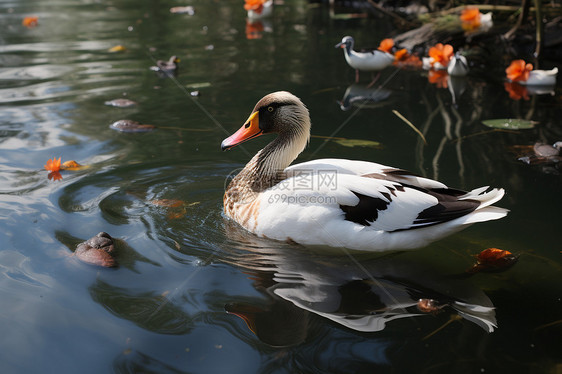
(270, 109)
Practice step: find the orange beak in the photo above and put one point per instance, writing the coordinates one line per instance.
(250, 130)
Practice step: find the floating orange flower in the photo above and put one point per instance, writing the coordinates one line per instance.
(438, 78)
(518, 71)
(255, 5)
(401, 55)
(30, 22)
(516, 91)
(53, 164)
(470, 18)
(441, 54)
(386, 45)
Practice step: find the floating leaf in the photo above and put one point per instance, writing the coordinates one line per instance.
(53, 164)
(121, 103)
(71, 165)
(358, 143)
(117, 48)
(183, 10)
(126, 125)
(199, 85)
(493, 259)
(510, 123)
(170, 203)
(30, 22)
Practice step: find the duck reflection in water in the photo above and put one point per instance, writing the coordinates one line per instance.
(360, 293)
(362, 96)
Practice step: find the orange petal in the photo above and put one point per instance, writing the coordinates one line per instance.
(441, 53)
(255, 5)
(401, 55)
(470, 14)
(30, 21)
(386, 45)
(518, 71)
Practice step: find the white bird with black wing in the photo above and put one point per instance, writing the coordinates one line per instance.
(336, 202)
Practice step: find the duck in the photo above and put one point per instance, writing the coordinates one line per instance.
(458, 66)
(258, 9)
(354, 204)
(167, 67)
(367, 60)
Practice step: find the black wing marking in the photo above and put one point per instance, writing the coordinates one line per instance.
(448, 206)
(367, 210)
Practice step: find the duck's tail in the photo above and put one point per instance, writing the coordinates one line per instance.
(485, 212)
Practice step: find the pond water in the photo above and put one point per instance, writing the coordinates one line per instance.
(193, 292)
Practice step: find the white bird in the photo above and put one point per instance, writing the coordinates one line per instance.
(541, 78)
(336, 202)
(370, 60)
(458, 66)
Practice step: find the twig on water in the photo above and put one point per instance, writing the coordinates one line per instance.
(409, 124)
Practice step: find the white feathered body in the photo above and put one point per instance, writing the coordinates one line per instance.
(306, 207)
(368, 61)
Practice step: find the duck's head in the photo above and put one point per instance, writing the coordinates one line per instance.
(280, 112)
(174, 60)
(346, 43)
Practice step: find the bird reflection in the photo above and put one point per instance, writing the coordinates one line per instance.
(360, 293)
(363, 96)
(456, 86)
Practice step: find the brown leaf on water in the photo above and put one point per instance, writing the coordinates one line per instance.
(493, 260)
(429, 306)
(71, 165)
(169, 203)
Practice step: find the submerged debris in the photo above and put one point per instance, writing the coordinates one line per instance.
(121, 103)
(127, 125)
(189, 10)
